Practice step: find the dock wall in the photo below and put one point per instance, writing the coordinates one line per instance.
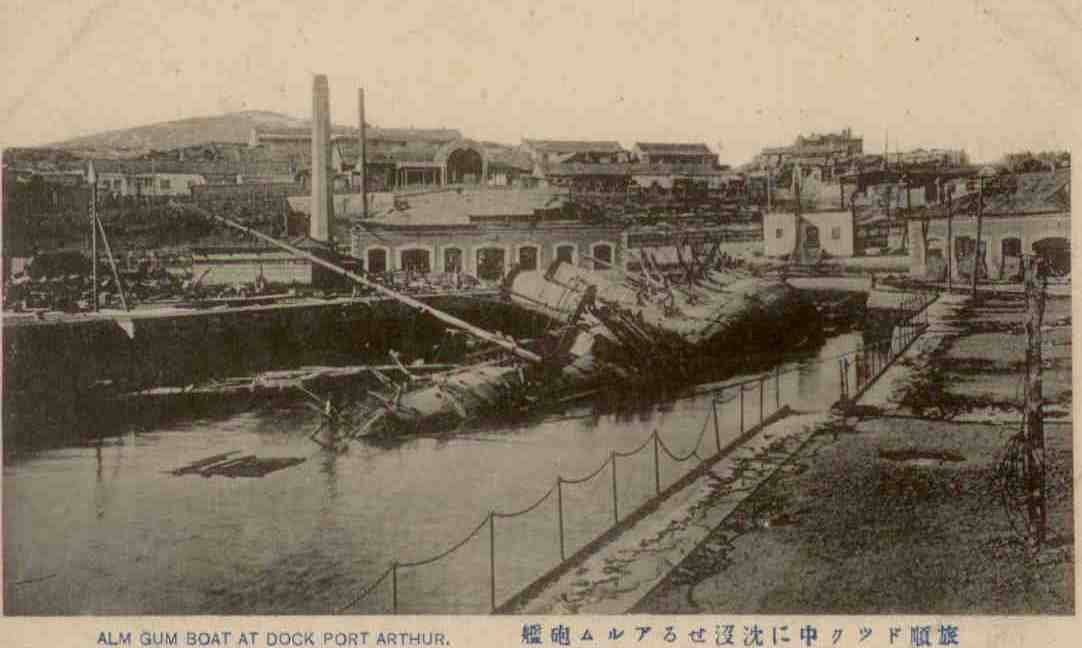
(54, 372)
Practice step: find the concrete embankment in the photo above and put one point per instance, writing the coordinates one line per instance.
(899, 506)
(647, 555)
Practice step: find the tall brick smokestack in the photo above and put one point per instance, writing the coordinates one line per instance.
(322, 212)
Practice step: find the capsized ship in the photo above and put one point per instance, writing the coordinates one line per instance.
(627, 324)
(610, 327)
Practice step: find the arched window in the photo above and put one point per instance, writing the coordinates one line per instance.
(491, 263)
(566, 252)
(377, 260)
(528, 257)
(603, 255)
(417, 260)
(452, 260)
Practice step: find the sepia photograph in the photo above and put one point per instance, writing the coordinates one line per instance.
(548, 311)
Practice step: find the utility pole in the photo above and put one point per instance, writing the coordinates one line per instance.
(1033, 470)
(909, 214)
(769, 178)
(908, 197)
(950, 237)
(797, 257)
(980, 219)
(362, 158)
(92, 178)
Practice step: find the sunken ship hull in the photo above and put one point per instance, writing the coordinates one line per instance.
(639, 330)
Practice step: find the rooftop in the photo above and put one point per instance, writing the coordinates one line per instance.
(252, 165)
(574, 146)
(1023, 193)
(678, 148)
(503, 156)
(630, 169)
(451, 208)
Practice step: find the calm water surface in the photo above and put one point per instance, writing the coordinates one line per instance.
(109, 529)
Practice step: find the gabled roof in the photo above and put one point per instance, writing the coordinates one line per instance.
(451, 208)
(574, 146)
(679, 148)
(1032, 193)
(412, 151)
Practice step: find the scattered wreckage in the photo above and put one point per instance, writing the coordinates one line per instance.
(609, 327)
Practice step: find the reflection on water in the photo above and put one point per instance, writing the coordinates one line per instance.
(107, 528)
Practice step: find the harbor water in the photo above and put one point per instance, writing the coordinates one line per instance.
(106, 527)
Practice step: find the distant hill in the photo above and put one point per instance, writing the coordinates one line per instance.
(230, 127)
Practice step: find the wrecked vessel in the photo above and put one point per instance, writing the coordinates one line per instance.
(625, 325)
(610, 328)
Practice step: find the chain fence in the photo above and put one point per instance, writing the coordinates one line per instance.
(581, 512)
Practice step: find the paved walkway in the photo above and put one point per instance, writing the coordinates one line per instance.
(620, 574)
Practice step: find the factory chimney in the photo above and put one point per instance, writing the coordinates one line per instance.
(322, 212)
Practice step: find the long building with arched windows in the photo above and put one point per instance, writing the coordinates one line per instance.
(483, 234)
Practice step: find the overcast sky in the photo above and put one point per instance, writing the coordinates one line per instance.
(987, 76)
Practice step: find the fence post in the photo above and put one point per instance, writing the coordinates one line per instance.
(777, 388)
(762, 396)
(657, 465)
(492, 558)
(394, 588)
(615, 502)
(740, 388)
(841, 382)
(846, 389)
(717, 432)
(560, 514)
